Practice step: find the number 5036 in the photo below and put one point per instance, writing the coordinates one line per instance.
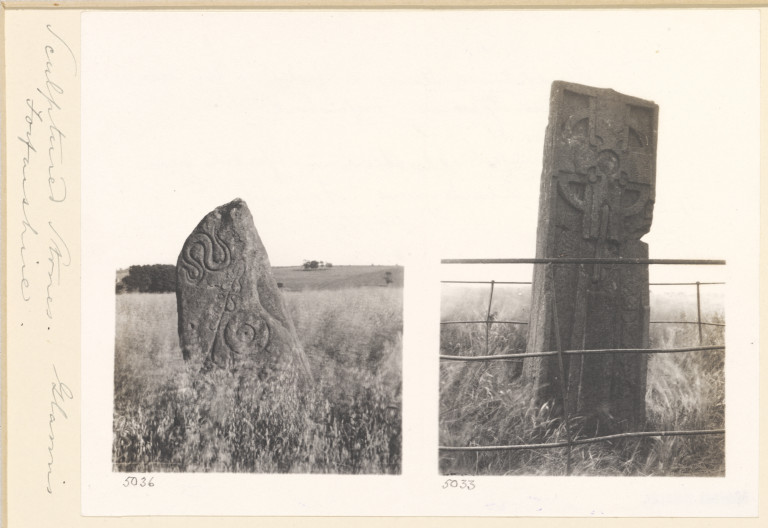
(138, 482)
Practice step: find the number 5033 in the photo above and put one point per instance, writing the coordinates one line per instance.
(468, 485)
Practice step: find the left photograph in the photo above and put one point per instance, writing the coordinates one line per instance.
(244, 274)
(224, 363)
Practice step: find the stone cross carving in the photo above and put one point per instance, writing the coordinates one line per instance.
(604, 157)
(230, 312)
(596, 201)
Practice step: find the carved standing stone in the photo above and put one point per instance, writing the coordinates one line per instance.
(596, 201)
(231, 313)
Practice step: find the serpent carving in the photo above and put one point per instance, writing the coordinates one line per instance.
(200, 255)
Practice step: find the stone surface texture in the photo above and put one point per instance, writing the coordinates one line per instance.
(231, 314)
(596, 201)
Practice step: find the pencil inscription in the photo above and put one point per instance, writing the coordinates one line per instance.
(44, 176)
(60, 393)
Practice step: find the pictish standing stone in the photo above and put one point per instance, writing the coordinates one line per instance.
(231, 313)
(596, 201)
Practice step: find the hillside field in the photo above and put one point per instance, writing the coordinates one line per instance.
(295, 278)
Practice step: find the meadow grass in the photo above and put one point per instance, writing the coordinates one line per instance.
(485, 403)
(349, 421)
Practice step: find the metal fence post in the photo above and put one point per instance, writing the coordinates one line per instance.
(488, 322)
(698, 309)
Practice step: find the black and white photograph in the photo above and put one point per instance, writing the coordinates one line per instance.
(225, 363)
(615, 374)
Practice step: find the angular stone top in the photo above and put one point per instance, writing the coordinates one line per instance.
(231, 313)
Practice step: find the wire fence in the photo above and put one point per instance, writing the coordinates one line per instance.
(489, 321)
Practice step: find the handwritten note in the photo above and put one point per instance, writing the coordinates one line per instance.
(43, 167)
(60, 393)
(47, 167)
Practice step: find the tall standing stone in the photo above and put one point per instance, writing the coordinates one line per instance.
(596, 201)
(230, 312)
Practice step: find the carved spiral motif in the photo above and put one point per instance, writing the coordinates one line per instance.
(204, 252)
(246, 333)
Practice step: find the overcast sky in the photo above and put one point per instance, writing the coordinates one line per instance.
(377, 137)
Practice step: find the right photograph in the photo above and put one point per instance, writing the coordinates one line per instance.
(592, 354)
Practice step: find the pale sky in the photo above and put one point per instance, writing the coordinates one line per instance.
(361, 137)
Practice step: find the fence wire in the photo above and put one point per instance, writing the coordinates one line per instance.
(489, 321)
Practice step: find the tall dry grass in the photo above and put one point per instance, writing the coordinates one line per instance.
(167, 419)
(485, 403)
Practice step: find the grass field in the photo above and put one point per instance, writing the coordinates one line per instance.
(350, 421)
(485, 403)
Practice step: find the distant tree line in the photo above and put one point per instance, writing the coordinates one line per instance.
(153, 278)
(315, 264)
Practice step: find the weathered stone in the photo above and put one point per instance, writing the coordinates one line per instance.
(596, 201)
(231, 313)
